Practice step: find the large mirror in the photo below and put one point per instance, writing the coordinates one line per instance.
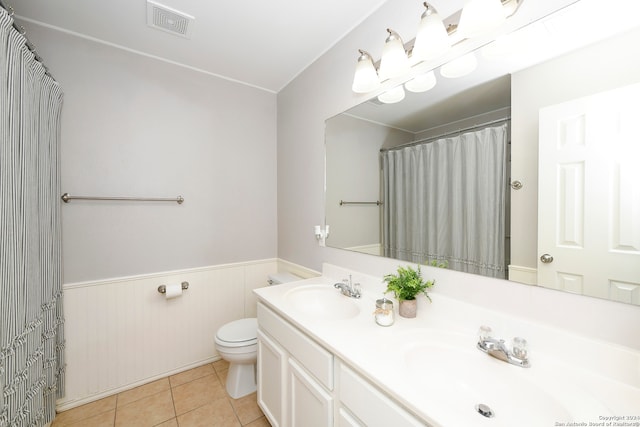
(558, 59)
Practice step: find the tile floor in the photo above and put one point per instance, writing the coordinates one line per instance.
(192, 398)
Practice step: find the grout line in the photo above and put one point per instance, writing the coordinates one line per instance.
(173, 402)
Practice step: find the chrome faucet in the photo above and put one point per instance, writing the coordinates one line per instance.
(497, 348)
(348, 288)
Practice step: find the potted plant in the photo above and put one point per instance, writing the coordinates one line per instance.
(406, 284)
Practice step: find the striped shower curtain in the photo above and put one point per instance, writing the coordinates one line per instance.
(31, 318)
(445, 201)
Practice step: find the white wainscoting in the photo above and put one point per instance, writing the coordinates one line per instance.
(121, 333)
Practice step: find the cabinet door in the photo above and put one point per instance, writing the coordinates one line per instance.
(369, 404)
(310, 405)
(346, 419)
(271, 367)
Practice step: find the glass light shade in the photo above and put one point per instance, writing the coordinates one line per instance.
(392, 95)
(432, 39)
(459, 67)
(365, 78)
(394, 62)
(480, 16)
(421, 82)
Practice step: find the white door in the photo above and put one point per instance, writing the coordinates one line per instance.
(589, 195)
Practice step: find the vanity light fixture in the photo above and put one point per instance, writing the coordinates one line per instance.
(422, 82)
(366, 77)
(432, 41)
(394, 62)
(392, 95)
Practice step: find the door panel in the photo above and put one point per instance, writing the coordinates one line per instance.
(589, 195)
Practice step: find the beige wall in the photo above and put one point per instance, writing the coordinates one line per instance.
(137, 126)
(353, 174)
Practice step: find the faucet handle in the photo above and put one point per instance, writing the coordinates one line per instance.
(519, 348)
(357, 290)
(484, 333)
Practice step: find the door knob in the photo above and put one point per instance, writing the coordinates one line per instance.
(546, 258)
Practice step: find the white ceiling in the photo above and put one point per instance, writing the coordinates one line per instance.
(265, 44)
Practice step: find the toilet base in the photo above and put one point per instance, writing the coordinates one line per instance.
(241, 379)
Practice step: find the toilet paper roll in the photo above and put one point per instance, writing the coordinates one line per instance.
(174, 290)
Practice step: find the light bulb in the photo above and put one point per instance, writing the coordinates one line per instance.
(394, 62)
(365, 78)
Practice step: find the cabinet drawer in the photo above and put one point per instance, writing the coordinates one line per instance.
(369, 404)
(315, 359)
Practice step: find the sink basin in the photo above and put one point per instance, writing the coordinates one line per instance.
(462, 377)
(470, 378)
(322, 302)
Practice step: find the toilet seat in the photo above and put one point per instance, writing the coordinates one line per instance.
(239, 333)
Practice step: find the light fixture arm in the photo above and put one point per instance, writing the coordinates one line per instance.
(429, 10)
(393, 36)
(364, 55)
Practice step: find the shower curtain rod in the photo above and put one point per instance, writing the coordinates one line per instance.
(455, 132)
(21, 30)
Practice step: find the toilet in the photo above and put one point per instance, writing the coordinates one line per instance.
(237, 343)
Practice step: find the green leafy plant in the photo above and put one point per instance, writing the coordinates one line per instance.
(407, 283)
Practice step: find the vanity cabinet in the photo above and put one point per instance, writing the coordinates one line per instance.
(295, 375)
(301, 384)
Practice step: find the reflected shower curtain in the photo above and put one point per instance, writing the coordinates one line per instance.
(31, 318)
(445, 201)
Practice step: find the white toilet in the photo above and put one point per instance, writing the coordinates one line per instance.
(237, 343)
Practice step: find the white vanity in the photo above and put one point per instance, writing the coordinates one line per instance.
(323, 361)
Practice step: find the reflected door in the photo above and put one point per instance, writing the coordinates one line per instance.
(589, 241)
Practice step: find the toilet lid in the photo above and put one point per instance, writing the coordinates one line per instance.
(239, 330)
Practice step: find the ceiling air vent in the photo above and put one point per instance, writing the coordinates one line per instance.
(170, 20)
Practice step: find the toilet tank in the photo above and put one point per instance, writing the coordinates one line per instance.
(278, 278)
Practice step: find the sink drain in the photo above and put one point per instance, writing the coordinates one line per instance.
(484, 410)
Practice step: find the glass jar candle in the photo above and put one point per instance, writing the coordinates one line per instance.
(384, 312)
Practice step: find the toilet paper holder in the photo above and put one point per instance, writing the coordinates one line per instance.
(163, 288)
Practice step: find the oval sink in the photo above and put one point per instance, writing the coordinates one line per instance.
(321, 301)
(467, 378)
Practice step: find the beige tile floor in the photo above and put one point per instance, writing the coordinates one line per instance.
(192, 398)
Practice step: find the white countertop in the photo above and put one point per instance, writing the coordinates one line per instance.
(431, 365)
